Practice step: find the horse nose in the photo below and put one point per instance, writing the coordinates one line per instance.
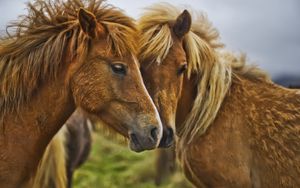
(145, 139)
(167, 139)
(134, 139)
(154, 134)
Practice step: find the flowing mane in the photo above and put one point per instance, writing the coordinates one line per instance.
(34, 52)
(215, 69)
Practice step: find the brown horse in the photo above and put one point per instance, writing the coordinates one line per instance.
(235, 127)
(78, 144)
(166, 158)
(65, 54)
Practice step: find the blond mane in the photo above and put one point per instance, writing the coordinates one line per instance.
(215, 69)
(34, 51)
(52, 171)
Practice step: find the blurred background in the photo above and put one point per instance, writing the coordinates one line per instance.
(267, 31)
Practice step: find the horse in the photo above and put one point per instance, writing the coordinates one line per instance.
(234, 126)
(79, 142)
(63, 55)
(166, 158)
(66, 152)
(52, 169)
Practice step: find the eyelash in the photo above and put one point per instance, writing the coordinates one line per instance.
(182, 69)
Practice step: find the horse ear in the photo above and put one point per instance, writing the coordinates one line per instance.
(88, 22)
(183, 24)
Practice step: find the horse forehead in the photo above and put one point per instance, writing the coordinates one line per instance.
(130, 60)
(177, 51)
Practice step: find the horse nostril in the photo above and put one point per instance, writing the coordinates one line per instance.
(133, 138)
(167, 139)
(154, 133)
(170, 133)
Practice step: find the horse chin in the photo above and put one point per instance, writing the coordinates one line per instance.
(135, 147)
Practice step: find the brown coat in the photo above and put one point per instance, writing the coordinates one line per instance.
(253, 142)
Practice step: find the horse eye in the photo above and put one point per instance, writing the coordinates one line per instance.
(119, 68)
(182, 69)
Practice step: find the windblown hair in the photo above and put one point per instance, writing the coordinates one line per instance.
(35, 51)
(215, 69)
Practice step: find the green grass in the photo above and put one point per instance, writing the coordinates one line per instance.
(113, 165)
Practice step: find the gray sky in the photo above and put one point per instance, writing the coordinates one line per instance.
(267, 30)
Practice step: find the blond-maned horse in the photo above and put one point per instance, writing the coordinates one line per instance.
(66, 152)
(52, 171)
(235, 127)
(63, 55)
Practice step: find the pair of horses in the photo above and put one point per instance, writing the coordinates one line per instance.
(235, 128)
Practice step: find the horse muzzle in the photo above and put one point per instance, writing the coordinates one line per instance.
(167, 138)
(145, 139)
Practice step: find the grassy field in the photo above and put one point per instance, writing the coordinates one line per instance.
(113, 165)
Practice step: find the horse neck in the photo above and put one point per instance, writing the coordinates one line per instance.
(25, 134)
(186, 101)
